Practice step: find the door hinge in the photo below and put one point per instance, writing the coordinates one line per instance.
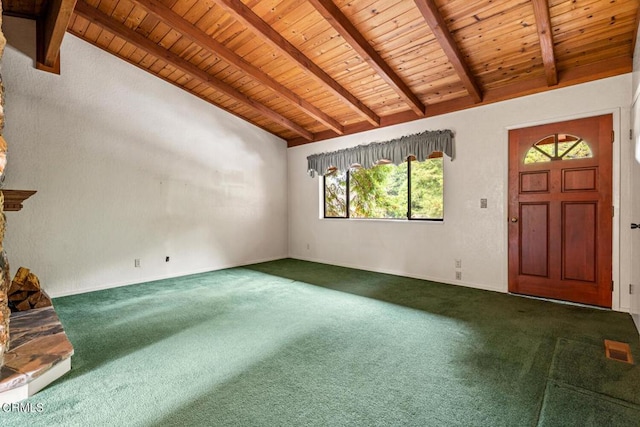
(613, 136)
(613, 211)
(631, 134)
(612, 286)
(630, 289)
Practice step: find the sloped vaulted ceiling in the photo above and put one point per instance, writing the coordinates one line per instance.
(308, 70)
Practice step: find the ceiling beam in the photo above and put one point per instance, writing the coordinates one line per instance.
(243, 14)
(138, 40)
(350, 33)
(545, 34)
(439, 28)
(573, 76)
(216, 48)
(50, 30)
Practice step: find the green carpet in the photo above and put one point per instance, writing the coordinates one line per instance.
(294, 343)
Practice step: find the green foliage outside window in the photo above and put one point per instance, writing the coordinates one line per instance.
(383, 191)
(427, 185)
(378, 192)
(335, 195)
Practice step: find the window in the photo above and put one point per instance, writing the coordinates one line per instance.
(412, 190)
(335, 194)
(558, 147)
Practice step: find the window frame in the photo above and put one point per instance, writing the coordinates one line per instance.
(324, 198)
(348, 196)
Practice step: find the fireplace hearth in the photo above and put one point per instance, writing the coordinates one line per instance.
(39, 353)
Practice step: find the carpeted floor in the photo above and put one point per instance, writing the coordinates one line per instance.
(294, 343)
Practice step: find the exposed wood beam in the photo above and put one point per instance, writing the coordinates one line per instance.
(50, 30)
(19, 15)
(198, 36)
(545, 34)
(243, 14)
(586, 73)
(439, 28)
(138, 40)
(350, 33)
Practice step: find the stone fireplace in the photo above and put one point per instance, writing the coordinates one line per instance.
(4, 264)
(35, 351)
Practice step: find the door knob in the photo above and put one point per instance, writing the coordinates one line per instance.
(514, 219)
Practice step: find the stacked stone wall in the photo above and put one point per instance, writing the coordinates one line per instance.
(5, 279)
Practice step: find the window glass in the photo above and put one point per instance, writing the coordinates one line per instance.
(427, 199)
(558, 147)
(411, 190)
(378, 192)
(335, 195)
(580, 150)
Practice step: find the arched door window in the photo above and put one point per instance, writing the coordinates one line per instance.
(558, 147)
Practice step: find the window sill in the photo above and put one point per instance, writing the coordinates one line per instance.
(389, 220)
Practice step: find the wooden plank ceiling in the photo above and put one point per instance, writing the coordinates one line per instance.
(307, 70)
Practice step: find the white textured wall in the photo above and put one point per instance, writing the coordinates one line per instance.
(476, 236)
(634, 178)
(127, 166)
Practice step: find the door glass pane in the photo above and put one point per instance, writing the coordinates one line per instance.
(535, 156)
(580, 150)
(547, 145)
(558, 147)
(566, 143)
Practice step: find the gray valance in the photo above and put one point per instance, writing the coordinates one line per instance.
(420, 145)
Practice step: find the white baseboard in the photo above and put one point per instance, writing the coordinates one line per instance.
(54, 294)
(405, 274)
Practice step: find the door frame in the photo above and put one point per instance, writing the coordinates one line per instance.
(619, 130)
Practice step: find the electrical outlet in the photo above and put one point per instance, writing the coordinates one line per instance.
(136, 263)
(483, 203)
(458, 263)
(308, 246)
(458, 275)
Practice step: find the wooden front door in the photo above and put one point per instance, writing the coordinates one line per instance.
(560, 210)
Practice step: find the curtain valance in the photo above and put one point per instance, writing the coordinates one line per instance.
(420, 145)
